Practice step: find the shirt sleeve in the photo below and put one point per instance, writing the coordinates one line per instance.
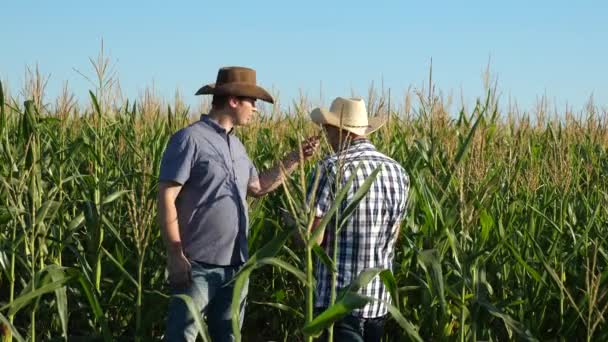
(178, 158)
(324, 192)
(253, 173)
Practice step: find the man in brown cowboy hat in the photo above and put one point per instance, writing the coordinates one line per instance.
(205, 177)
(367, 239)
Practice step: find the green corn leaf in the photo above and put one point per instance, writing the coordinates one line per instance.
(91, 296)
(113, 230)
(388, 279)
(364, 278)
(523, 263)
(270, 249)
(333, 209)
(241, 279)
(325, 259)
(349, 302)
(292, 254)
(453, 242)
(431, 264)
(510, 323)
(195, 313)
(284, 266)
(114, 196)
(120, 267)
(76, 222)
(95, 103)
(282, 307)
(27, 297)
(7, 330)
(409, 328)
(487, 223)
(44, 210)
(240, 282)
(57, 273)
(5, 215)
(358, 196)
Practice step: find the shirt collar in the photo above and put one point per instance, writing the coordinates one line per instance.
(215, 125)
(354, 146)
(358, 143)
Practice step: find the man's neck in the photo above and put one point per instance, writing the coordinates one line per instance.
(349, 140)
(222, 118)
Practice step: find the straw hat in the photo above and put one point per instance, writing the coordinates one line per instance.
(350, 114)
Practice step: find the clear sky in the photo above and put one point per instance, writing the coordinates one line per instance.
(557, 48)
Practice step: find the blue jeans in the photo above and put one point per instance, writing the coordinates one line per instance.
(356, 329)
(212, 297)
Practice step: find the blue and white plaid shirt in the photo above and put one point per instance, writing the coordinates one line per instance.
(368, 238)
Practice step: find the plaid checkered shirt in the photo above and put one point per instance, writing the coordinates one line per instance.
(368, 238)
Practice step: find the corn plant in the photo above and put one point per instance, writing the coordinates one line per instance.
(504, 238)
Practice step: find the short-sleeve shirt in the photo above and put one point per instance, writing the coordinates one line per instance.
(367, 239)
(214, 170)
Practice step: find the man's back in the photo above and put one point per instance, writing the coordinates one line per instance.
(368, 238)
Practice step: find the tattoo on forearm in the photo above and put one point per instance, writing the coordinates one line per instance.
(273, 177)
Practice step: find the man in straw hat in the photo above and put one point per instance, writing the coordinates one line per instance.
(205, 176)
(367, 240)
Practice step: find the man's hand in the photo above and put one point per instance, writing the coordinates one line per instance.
(309, 147)
(178, 265)
(180, 269)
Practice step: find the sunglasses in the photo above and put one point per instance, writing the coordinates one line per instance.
(248, 99)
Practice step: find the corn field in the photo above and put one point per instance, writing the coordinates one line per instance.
(505, 238)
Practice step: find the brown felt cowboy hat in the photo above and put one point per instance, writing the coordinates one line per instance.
(350, 114)
(236, 81)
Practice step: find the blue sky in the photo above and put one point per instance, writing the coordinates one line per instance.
(556, 48)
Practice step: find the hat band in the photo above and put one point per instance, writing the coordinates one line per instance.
(351, 126)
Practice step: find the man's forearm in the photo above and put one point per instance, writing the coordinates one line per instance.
(169, 226)
(273, 177)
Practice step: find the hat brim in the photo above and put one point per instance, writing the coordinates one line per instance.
(325, 117)
(236, 89)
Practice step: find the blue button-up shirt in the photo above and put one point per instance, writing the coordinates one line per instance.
(214, 170)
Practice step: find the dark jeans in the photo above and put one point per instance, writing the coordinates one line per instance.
(357, 329)
(212, 297)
